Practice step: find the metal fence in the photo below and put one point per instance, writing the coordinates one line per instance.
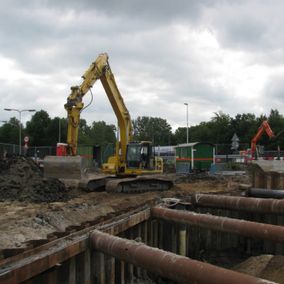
(8, 149)
(39, 152)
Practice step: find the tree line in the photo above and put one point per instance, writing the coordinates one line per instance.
(46, 131)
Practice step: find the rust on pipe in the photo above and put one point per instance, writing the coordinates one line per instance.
(166, 264)
(223, 224)
(259, 205)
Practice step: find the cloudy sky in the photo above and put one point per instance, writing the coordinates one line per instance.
(214, 55)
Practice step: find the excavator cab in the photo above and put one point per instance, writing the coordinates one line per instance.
(139, 155)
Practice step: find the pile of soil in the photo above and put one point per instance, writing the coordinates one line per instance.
(269, 267)
(21, 179)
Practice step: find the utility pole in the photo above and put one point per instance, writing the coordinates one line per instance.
(186, 104)
(59, 130)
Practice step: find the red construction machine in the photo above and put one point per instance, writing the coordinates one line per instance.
(264, 128)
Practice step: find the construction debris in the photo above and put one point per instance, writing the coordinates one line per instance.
(22, 180)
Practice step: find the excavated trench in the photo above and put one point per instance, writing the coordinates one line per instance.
(62, 220)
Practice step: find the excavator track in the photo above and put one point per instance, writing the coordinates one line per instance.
(138, 184)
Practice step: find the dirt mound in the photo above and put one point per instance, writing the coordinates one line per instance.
(21, 179)
(270, 267)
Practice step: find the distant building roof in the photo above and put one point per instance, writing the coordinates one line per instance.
(192, 144)
(164, 149)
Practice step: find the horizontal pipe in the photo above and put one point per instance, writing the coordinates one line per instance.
(265, 193)
(166, 264)
(248, 204)
(223, 224)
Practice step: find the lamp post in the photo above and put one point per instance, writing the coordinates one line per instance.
(19, 111)
(186, 104)
(59, 130)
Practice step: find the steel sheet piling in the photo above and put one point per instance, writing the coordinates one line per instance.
(166, 264)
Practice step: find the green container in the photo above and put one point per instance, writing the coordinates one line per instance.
(195, 156)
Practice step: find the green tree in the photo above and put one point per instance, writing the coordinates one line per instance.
(9, 132)
(276, 122)
(180, 135)
(55, 126)
(101, 133)
(245, 126)
(38, 129)
(85, 133)
(153, 129)
(201, 133)
(220, 126)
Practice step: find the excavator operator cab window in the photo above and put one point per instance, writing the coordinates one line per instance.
(133, 156)
(138, 156)
(144, 152)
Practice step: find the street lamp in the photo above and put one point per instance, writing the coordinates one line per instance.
(59, 130)
(19, 111)
(186, 104)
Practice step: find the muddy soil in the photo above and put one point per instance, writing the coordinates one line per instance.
(22, 180)
(23, 221)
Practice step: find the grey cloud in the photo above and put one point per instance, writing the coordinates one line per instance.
(149, 10)
(247, 25)
(274, 89)
(154, 67)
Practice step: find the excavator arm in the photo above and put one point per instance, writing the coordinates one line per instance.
(99, 70)
(75, 103)
(264, 128)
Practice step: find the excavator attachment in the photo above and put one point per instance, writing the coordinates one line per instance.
(65, 167)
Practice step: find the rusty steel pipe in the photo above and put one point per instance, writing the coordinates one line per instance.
(223, 224)
(265, 193)
(259, 205)
(166, 264)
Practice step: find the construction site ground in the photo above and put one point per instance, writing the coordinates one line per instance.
(21, 221)
(27, 217)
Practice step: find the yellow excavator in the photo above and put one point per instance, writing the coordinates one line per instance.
(134, 165)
